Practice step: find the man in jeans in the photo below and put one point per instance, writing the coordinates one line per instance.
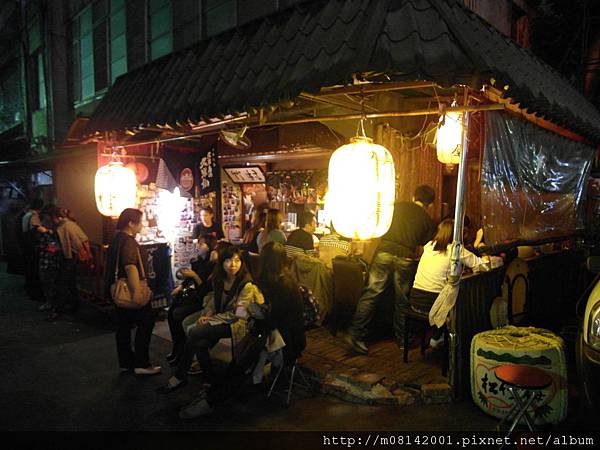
(394, 262)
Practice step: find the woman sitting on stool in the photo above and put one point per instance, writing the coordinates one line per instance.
(223, 317)
(283, 295)
(434, 267)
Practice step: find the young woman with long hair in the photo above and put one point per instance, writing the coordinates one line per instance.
(282, 293)
(259, 218)
(434, 267)
(272, 231)
(224, 315)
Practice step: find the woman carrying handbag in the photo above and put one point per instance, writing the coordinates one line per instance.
(125, 276)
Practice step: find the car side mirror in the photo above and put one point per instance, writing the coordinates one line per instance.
(593, 264)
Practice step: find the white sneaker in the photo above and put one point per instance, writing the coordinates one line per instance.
(150, 370)
(436, 343)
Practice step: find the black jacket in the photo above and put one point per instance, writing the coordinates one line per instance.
(286, 315)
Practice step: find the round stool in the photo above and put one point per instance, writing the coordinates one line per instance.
(521, 380)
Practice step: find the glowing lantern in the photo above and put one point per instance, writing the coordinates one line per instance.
(360, 199)
(169, 210)
(449, 138)
(115, 188)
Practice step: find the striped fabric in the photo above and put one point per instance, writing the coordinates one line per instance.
(291, 251)
(334, 241)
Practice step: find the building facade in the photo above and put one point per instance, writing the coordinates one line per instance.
(58, 58)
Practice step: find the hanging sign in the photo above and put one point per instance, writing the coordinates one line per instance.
(246, 174)
(208, 173)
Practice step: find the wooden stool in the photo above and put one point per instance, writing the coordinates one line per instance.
(520, 381)
(411, 315)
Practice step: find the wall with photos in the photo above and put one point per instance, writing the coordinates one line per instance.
(231, 208)
(167, 217)
(171, 218)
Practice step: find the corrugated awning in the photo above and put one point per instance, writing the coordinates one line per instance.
(323, 43)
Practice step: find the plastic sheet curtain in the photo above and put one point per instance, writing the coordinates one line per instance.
(532, 181)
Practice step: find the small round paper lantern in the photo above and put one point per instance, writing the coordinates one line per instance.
(362, 190)
(115, 188)
(449, 138)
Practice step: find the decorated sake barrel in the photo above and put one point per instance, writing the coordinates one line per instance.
(526, 346)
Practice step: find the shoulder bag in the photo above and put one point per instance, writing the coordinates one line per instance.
(120, 292)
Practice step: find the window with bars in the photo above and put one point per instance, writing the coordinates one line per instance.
(160, 21)
(37, 76)
(118, 39)
(82, 34)
(11, 100)
(99, 47)
(100, 44)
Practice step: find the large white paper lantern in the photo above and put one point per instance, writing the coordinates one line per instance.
(449, 138)
(361, 194)
(116, 188)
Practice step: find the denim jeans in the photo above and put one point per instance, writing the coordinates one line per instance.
(386, 268)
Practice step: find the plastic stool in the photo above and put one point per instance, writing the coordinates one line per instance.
(521, 380)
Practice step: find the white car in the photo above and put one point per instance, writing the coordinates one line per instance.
(588, 345)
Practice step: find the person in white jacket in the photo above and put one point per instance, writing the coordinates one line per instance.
(434, 267)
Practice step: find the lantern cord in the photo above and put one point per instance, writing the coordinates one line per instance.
(360, 130)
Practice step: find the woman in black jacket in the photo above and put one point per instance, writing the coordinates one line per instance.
(188, 297)
(283, 295)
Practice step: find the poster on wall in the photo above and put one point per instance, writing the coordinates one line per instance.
(231, 206)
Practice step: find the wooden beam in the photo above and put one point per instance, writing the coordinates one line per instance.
(335, 102)
(375, 87)
(494, 95)
(419, 112)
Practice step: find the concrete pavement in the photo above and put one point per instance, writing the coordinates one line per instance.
(64, 376)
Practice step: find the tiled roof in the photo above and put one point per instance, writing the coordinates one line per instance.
(323, 43)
